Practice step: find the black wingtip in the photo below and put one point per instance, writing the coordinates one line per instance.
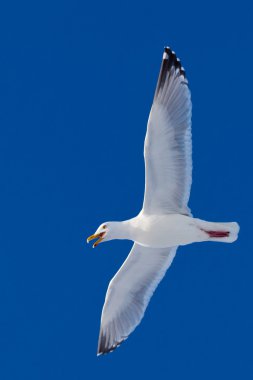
(167, 49)
(166, 53)
(171, 56)
(169, 60)
(104, 348)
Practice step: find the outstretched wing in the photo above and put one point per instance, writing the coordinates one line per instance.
(168, 148)
(129, 293)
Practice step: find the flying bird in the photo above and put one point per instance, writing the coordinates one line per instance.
(165, 221)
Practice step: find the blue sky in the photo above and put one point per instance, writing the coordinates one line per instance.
(76, 86)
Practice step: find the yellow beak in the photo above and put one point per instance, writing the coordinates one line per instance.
(99, 236)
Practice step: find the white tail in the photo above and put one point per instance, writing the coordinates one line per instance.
(222, 232)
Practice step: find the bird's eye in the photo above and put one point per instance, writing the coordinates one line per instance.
(104, 226)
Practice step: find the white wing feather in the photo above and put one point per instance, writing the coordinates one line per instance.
(168, 148)
(129, 293)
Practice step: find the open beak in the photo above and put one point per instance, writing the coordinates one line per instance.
(96, 236)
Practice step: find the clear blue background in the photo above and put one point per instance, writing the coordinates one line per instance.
(76, 85)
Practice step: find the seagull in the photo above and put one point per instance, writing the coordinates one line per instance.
(165, 221)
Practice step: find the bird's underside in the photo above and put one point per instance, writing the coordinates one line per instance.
(165, 221)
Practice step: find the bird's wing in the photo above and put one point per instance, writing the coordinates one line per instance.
(168, 148)
(129, 293)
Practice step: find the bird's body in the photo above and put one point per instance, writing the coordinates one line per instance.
(165, 221)
(171, 230)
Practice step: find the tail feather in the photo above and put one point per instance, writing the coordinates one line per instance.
(222, 232)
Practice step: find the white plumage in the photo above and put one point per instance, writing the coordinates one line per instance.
(165, 221)
(129, 293)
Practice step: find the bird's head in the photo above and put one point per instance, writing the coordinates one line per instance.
(102, 234)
